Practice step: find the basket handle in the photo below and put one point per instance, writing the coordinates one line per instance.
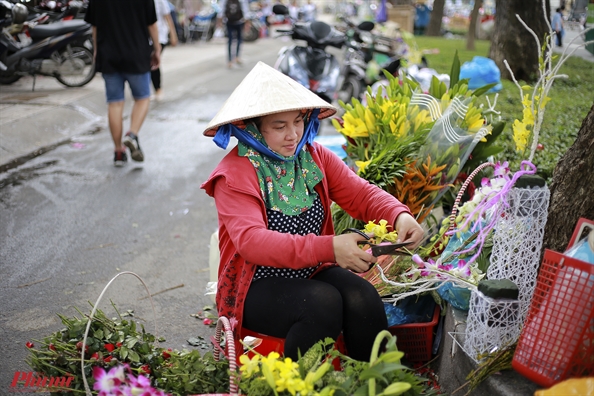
(463, 189)
(223, 324)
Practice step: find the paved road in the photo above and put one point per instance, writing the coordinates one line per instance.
(71, 221)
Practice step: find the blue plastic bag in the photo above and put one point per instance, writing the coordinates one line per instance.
(458, 297)
(412, 309)
(481, 71)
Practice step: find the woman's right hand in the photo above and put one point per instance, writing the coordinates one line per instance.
(349, 255)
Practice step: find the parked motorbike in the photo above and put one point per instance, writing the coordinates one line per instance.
(310, 64)
(365, 57)
(202, 25)
(252, 28)
(57, 49)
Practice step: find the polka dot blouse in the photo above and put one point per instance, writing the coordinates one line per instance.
(308, 222)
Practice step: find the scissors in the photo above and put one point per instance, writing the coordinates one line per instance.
(379, 250)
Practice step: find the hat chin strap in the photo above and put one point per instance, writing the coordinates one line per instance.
(224, 132)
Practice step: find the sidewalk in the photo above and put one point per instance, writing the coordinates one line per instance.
(574, 41)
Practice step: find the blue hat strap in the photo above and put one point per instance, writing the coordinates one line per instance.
(224, 133)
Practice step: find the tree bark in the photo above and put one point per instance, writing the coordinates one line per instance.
(434, 27)
(512, 42)
(474, 16)
(572, 188)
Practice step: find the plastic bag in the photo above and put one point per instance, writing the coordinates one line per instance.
(481, 71)
(458, 297)
(219, 33)
(412, 309)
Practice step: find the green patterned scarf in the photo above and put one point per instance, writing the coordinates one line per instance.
(286, 186)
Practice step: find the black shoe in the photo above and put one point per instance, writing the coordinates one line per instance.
(120, 158)
(131, 141)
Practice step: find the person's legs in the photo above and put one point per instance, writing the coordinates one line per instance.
(363, 311)
(239, 40)
(302, 311)
(141, 91)
(114, 92)
(229, 42)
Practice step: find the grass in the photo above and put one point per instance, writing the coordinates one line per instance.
(571, 100)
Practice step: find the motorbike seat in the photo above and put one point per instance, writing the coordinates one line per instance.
(57, 28)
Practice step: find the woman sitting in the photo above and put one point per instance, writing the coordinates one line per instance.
(282, 270)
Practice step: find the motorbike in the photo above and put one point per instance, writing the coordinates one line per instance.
(202, 25)
(310, 64)
(252, 28)
(57, 49)
(365, 56)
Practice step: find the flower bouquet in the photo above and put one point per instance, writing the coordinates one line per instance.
(413, 144)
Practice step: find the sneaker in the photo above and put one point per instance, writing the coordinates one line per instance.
(131, 141)
(120, 158)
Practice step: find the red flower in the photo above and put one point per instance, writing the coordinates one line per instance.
(108, 359)
(52, 347)
(166, 355)
(118, 344)
(79, 347)
(109, 347)
(29, 344)
(95, 356)
(207, 321)
(145, 369)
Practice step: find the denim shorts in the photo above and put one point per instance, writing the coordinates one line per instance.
(140, 84)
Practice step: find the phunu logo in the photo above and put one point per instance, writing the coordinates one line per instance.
(34, 381)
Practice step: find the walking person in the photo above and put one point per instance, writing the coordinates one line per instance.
(283, 271)
(233, 15)
(167, 36)
(557, 25)
(122, 30)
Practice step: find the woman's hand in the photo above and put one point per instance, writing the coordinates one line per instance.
(409, 231)
(349, 255)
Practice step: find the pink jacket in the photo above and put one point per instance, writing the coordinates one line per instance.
(245, 241)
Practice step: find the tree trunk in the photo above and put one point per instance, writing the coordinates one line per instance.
(434, 27)
(474, 16)
(572, 188)
(512, 42)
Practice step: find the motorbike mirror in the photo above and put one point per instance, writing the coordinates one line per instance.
(280, 9)
(366, 26)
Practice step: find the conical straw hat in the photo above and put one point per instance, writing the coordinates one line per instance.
(265, 91)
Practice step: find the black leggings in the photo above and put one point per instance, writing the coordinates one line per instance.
(305, 311)
(156, 74)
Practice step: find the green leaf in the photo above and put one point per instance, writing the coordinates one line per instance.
(133, 356)
(455, 70)
(483, 90)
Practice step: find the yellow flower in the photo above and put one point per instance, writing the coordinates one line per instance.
(528, 116)
(361, 165)
(354, 127)
(521, 135)
(381, 231)
(249, 367)
(369, 120)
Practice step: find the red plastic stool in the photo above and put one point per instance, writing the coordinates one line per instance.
(269, 344)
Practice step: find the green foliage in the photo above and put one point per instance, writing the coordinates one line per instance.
(111, 342)
(382, 375)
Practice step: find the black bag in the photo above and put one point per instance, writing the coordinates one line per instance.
(233, 11)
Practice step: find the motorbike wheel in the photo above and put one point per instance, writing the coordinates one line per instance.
(7, 79)
(251, 34)
(352, 87)
(82, 59)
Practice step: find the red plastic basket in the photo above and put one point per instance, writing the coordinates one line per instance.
(557, 341)
(416, 339)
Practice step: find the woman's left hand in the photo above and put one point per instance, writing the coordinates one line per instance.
(409, 231)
